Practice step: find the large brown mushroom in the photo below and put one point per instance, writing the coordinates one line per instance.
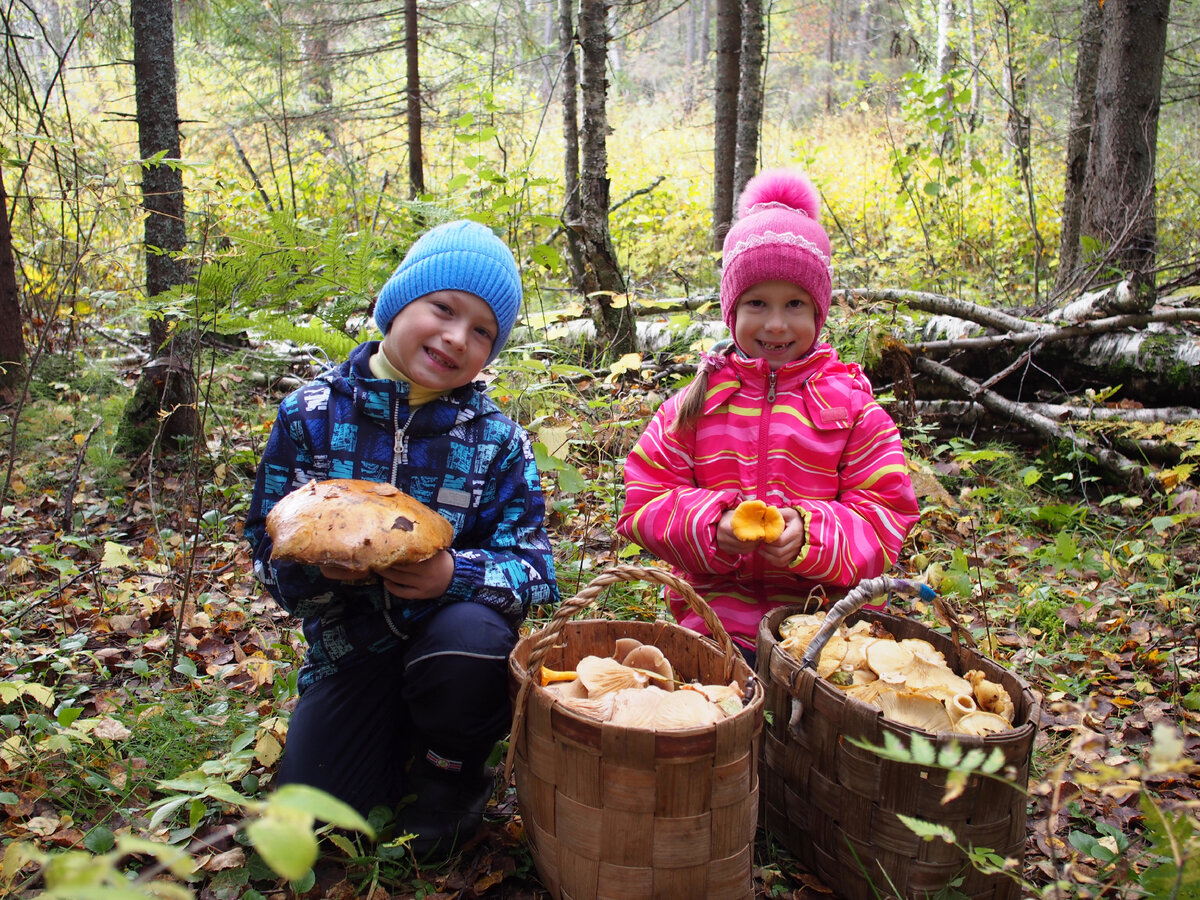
(363, 526)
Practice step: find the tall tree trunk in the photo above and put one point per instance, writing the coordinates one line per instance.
(165, 387)
(1119, 191)
(750, 95)
(317, 88)
(830, 53)
(412, 93)
(603, 281)
(12, 340)
(727, 76)
(945, 64)
(1083, 116)
(572, 207)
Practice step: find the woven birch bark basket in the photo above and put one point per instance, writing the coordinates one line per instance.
(836, 807)
(629, 813)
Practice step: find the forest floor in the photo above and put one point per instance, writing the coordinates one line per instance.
(130, 601)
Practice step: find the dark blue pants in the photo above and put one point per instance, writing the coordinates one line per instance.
(353, 733)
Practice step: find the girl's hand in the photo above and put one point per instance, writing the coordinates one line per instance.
(787, 547)
(420, 581)
(728, 542)
(780, 553)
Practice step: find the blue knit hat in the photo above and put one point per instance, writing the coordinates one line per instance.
(456, 256)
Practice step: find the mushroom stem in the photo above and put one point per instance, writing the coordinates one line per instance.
(550, 676)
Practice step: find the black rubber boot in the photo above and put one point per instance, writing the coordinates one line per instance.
(447, 808)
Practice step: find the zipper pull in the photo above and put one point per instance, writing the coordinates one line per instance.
(771, 388)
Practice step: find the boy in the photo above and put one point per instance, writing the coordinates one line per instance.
(404, 687)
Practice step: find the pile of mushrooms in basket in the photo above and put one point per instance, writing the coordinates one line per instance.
(908, 679)
(636, 687)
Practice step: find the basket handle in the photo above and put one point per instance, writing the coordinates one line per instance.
(862, 594)
(568, 608)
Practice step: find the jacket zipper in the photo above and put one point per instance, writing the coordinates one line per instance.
(399, 451)
(764, 435)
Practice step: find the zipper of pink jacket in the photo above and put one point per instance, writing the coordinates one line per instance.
(764, 441)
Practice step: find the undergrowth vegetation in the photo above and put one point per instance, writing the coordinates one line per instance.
(145, 681)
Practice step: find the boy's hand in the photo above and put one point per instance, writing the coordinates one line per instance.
(420, 581)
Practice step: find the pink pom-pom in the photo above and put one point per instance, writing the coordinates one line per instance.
(785, 186)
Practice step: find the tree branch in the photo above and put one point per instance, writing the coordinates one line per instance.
(1119, 467)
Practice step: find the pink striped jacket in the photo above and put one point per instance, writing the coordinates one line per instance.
(810, 436)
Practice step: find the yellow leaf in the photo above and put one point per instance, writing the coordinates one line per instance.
(555, 439)
(267, 749)
(630, 362)
(10, 752)
(262, 672)
(115, 556)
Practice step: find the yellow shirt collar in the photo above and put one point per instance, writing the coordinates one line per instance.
(418, 395)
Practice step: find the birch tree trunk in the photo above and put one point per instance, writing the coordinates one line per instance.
(572, 209)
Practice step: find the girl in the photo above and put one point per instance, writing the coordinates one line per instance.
(775, 417)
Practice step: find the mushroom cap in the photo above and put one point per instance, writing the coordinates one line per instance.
(686, 709)
(568, 690)
(801, 621)
(922, 649)
(604, 675)
(649, 658)
(364, 526)
(869, 691)
(893, 661)
(622, 647)
(856, 652)
(916, 710)
(981, 723)
(729, 697)
(600, 708)
(636, 707)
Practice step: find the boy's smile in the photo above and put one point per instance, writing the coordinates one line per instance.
(775, 321)
(441, 340)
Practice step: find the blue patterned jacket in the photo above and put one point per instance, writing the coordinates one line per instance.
(459, 455)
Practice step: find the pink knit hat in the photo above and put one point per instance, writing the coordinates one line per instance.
(777, 238)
